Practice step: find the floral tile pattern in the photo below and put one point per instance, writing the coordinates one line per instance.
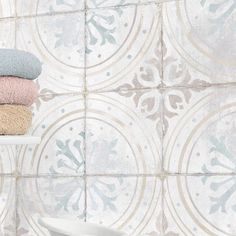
(200, 205)
(136, 114)
(112, 201)
(39, 7)
(45, 197)
(59, 46)
(113, 120)
(123, 47)
(200, 137)
(59, 121)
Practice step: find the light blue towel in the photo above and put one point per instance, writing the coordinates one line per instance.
(19, 63)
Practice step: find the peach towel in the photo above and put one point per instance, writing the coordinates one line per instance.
(14, 119)
(14, 90)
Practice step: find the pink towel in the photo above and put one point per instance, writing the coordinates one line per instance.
(14, 90)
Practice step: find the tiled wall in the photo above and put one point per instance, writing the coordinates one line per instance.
(137, 114)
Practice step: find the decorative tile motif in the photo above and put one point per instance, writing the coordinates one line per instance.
(136, 113)
(129, 204)
(123, 47)
(202, 205)
(123, 133)
(58, 41)
(60, 124)
(45, 197)
(200, 32)
(7, 206)
(39, 7)
(201, 137)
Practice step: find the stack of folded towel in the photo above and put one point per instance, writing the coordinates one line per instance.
(18, 91)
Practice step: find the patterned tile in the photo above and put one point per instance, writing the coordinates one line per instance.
(8, 155)
(7, 8)
(38, 7)
(59, 121)
(200, 206)
(7, 206)
(129, 204)
(199, 38)
(200, 137)
(7, 33)
(123, 133)
(58, 41)
(123, 47)
(45, 197)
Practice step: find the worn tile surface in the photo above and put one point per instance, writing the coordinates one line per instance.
(124, 133)
(59, 121)
(123, 47)
(47, 197)
(58, 41)
(39, 7)
(136, 113)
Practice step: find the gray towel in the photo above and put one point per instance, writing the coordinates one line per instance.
(19, 63)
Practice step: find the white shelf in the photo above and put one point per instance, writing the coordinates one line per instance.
(18, 140)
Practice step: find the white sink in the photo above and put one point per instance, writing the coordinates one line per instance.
(65, 227)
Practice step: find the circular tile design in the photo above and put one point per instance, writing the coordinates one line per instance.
(207, 27)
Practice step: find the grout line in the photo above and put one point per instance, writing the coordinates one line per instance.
(85, 8)
(160, 175)
(162, 93)
(16, 189)
(85, 115)
(160, 88)
(168, 87)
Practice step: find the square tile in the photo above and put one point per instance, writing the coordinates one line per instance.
(7, 206)
(59, 121)
(7, 8)
(124, 133)
(8, 158)
(200, 126)
(58, 41)
(38, 7)
(199, 42)
(7, 33)
(48, 197)
(200, 205)
(129, 204)
(123, 47)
